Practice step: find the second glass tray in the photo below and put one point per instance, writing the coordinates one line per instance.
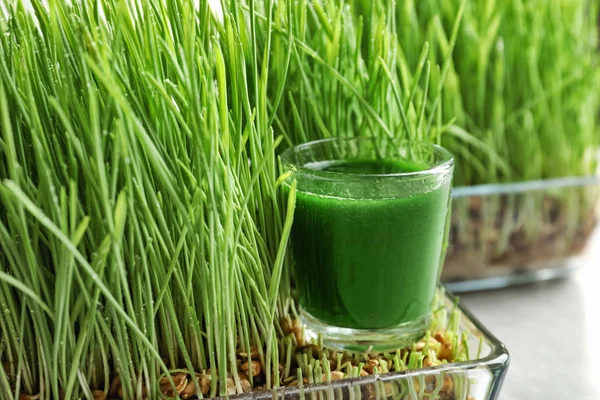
(506, 234)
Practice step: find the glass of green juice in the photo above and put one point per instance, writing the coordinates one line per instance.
(368, 238)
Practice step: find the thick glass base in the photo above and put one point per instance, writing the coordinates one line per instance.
(363, 340)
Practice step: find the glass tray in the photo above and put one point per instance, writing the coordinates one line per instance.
(479, 379)
(507, 234)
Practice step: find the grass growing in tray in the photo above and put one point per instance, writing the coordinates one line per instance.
(523, 92)
(142, 236)
(136, 237)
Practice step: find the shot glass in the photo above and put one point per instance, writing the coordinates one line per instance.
(368, 238)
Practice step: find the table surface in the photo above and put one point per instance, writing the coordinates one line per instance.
(552, 331)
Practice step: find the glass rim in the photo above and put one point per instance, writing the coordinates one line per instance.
(445, 165)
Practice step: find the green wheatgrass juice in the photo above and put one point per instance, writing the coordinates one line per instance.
(367, 263)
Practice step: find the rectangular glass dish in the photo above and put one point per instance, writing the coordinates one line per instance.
(478, 379)
(506, 234)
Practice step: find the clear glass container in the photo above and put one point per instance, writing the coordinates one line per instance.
(506, 234)
(478, 379)
(371, 216)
